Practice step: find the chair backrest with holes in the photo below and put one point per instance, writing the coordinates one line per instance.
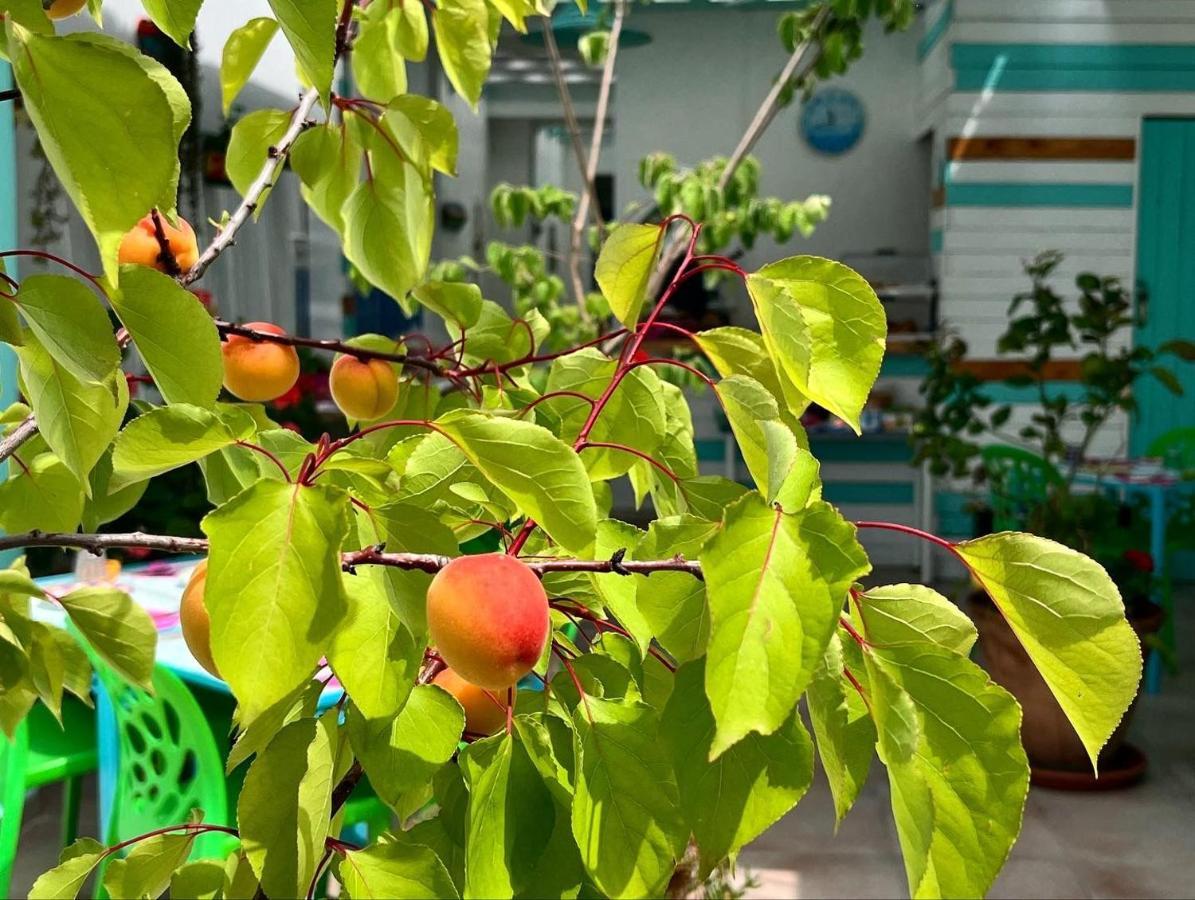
(169, 762)
(1018, 481)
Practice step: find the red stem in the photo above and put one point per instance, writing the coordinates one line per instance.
(41, 254)
(487, 368)
(909, 529)
(631, 450)
(538, 400)
(268, 455)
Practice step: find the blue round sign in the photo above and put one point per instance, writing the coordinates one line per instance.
(832, 120)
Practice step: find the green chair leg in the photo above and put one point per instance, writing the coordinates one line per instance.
(72, 795)
(13, 755)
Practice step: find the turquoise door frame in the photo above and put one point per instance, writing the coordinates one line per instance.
(1165, 269)
(8, 241)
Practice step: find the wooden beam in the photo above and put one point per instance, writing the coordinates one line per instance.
(1000, 369)
(1041, 148)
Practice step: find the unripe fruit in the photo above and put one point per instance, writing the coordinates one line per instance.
(140, 246)
(488, 617)
(258, 371)
(363, 389)
(60, 9)
(485, 711)
(195, 621)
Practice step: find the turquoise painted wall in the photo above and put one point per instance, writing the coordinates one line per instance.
(8, 241)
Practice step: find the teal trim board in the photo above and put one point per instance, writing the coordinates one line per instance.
(979, 193)
(1166, 270)
(8, 241)
(935, 240)
(935, 31)
(1073, 67)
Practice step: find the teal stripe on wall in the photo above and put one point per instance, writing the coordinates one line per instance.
(1074, 67)
(935, 241)
(1118, 196)
(931, 37)
(999, 392)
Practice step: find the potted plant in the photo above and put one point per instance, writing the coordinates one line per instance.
(1039, 488)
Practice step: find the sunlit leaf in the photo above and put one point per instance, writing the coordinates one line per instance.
(242, 52)
(625, 266)
(119, 630)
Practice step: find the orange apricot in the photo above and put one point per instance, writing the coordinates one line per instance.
(363, 389)
(259, 371)
(140, 246)
(485, 711)
(195, 621)
(488, 617)
(60, 9)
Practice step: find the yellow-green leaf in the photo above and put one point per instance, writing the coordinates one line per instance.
(625, 266)
(242, 52)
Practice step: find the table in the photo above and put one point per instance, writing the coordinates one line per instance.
(1158, 487)
(157, 588)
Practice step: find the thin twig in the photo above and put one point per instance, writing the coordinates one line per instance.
(264, 181)
(589, 172)
(18, 436)
(802, 60)
(269, 337)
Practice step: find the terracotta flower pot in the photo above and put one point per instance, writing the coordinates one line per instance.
(1050, 742)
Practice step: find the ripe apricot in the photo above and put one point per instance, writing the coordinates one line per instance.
(258, 371)
(363, 389)
(485, 711)
(140, 246)
(60, 9)
(195, 621)
(488, 617)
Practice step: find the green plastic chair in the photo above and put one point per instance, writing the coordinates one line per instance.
(169, 762)
(40, 753)
(1018, 481)
(1177, 448)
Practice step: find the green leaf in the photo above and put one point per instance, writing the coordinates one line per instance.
(174, 334)
(958, 792)
(626, 815)
(107, 503)
(674, 603)
(842, 725)
(202, 880)
(285, 806)
(625, 266)
(29, 13)
(120, 631)
(166, 438)
(327, 160)
(402, 753)
(71, 324)
(737, 351)
(777, 583)
(147, 870)
(249, 149)
(374, 654)
(1068, 615)
(904, 613)
(177, 19)
(126, 160)
(425, 130)
(510, 817)
(310, 28)
(274, 584)
(782, 470)
(77, 419)
(10, 324)
(65, 880)
(463, 39)
(536, 470)
(48, 497)
(730, 802)
(378, 67)
(459, 303)
(825, 327)
(242, 52)
(394, 871)
(388, 225)
(618, 591)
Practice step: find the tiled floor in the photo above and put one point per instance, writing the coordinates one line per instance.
(1135, 843)
(1138, 842)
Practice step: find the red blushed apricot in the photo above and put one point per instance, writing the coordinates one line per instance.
(195, 621)
(140, 246)
(488, 617)
(485, 711)
(60, 9)
(258, 371)
(363, 389)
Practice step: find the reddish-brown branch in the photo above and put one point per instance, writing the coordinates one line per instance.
(165, 254)
(623, 448)
(65, 263)
(248, 445)
(362, 353)
(487, 368)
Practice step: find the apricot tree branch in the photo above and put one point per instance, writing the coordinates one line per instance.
(799, 63)
(589, 172)
(227, 328)
(18, 436)
(371, 556)
(263, 182)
